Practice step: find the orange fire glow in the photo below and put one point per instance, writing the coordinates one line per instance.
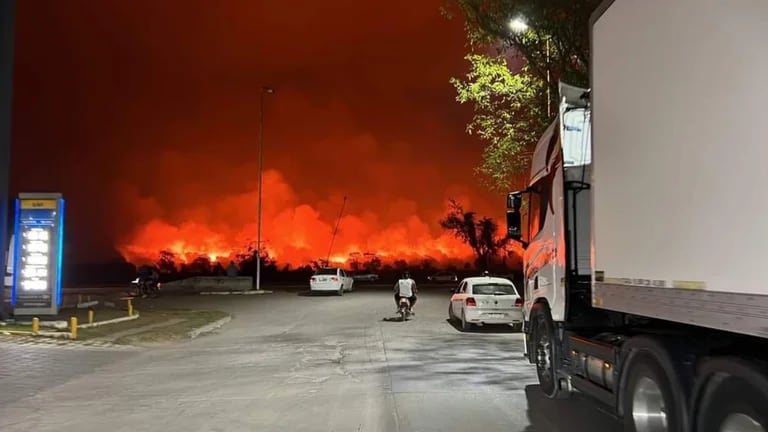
(292, 232)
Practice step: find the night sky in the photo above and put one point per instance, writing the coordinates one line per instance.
(145, 115)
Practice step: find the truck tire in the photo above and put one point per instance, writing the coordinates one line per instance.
(649, 402)
(733, 398)
(545, 353)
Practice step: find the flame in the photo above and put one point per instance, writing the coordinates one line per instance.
(292, 233)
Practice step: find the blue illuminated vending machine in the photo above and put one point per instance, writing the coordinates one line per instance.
(39, 236)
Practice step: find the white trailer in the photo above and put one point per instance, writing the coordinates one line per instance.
(647, 225)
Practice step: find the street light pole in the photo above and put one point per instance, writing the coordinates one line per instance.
(264, 91)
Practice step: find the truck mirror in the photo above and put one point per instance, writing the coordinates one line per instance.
(514, 224)
(514, 201)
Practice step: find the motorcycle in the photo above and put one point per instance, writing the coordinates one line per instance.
(146, 288)
(404, 308)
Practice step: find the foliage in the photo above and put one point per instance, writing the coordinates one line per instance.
(199, 265)
(246, 262)
(508, 116)
(479, 234)
(167, 262)
(511, 109)
(561, 24)
(364, 262)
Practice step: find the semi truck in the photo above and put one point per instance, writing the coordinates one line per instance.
(644, 221)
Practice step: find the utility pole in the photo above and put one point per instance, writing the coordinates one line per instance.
(264, 91)
(335, 230)
(7, 29)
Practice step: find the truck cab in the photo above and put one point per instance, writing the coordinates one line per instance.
(551, 217)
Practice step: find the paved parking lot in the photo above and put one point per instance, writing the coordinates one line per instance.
(292, 362)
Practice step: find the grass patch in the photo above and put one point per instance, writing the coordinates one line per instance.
(175, 332)
(150, 328)
(15, 327)
(99, 314)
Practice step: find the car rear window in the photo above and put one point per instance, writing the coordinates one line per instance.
(493, 289)
(327, 271)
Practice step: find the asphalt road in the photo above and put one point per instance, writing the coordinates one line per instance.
(292, 362)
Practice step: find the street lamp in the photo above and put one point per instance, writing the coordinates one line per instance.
(518, 25)
(264, 91)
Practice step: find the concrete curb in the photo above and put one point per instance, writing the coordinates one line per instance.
(112, 321)
(16, 333)
(59, 335)
(249, 292)
(209, 327)
(58, 325)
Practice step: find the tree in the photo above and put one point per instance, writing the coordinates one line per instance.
(167, 262)
(246, 261)
(373, 262)
(563, 25)
(354, 261)
(509, 116)
(479, 234)
(428, 265)
(511, 109)
(200, 265)
(401, 265)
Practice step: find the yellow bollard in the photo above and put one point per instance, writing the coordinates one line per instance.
(35, 325)
(73, 327)
(130, 307)
(90, 316)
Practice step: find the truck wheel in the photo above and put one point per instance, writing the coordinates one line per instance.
(545, 354)
(649, 404)
(733, 401)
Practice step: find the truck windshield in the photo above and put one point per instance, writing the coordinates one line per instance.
(493, 289)
(576, 138)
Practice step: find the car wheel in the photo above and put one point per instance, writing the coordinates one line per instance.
(451, 318)
(341, 291)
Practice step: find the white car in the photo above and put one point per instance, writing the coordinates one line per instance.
(330, 279)
(366, 277)
(443, 277)
(486, 300)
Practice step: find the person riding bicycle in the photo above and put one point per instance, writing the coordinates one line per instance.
(406, 287)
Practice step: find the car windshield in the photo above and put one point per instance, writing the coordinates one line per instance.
(494, 289)
(327, 271)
